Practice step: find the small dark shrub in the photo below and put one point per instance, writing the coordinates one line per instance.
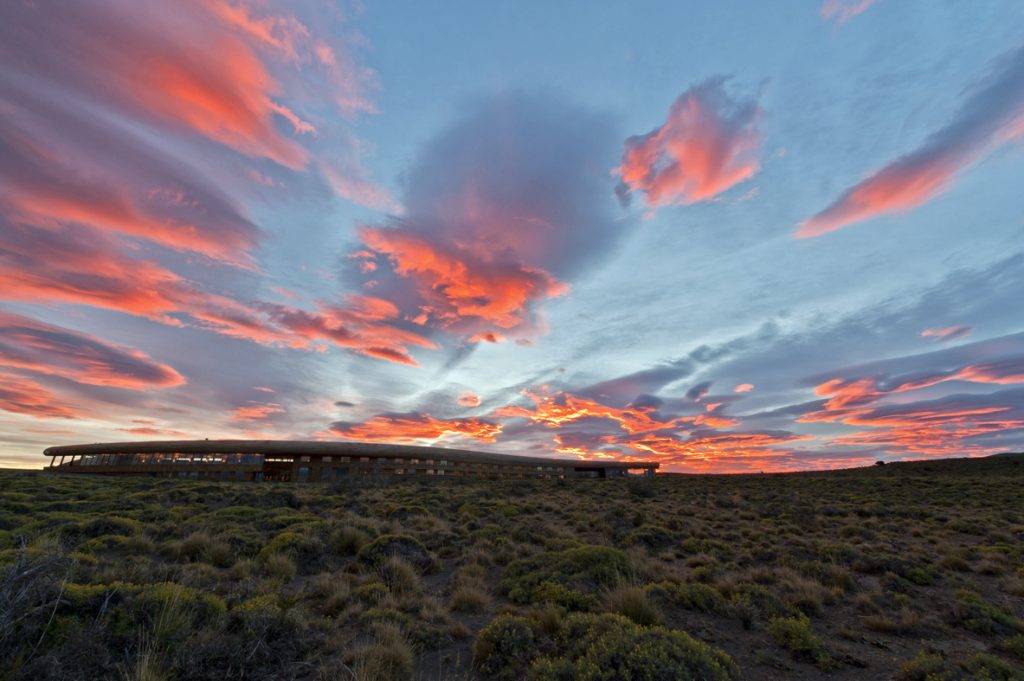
(405, 547)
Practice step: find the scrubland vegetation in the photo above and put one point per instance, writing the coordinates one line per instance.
(912, 572)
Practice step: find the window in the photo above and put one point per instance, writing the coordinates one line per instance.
(303, 473)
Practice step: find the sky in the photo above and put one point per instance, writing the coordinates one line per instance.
(730, 237)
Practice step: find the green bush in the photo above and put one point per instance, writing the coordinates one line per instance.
(1014, 646)
(983, 667)
(924, 667)
(753, 603)
(795, 634)
(505, 648)
(610, 648)
(405, 511)
(974, 614)
(571, 577)
(652, 536)
(701, 597)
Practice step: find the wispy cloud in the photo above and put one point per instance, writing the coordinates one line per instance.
(841, 11)
(990, 115)
(949, 333)
(31, 345)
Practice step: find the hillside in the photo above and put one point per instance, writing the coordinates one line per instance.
(903, 571)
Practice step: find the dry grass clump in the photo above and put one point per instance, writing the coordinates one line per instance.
(347, 540)
(400, 577)
(902, 623)
(634, 603)
(280, 567)
(388, 658)
(470, 592)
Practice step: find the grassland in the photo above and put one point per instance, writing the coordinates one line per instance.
(906, 571)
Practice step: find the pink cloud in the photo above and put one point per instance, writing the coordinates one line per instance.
(744, 388)
(989, 116)
(469, 399)
(32, 345)
(20, 395)
(708, 144)
(943, 335)
(87, 267)
(255, 411)
(179, 69)
(841, 11)
(460, 284)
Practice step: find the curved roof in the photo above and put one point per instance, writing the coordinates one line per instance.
(319, 448)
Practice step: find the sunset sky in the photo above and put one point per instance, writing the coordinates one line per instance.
(730, 237)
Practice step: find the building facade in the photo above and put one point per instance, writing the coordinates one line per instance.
(314, 461)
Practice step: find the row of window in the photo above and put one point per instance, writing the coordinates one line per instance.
(167, 458)
(327, 473)
(436, 463)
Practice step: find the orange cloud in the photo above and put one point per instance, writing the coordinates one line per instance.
(207, 81)
(555, 410)
(744, 387)
(849, 397)
(933, 428)
(988, 117)
(895, 189)
(711, 452)
(463, 287)
(32, 345)
(469, 399)
(255, 411)
(59, 170)
(708, 144)
(414, 427)
(87, 267)
(20, 395)
(715, 421)
(150, 428)
(182, 68)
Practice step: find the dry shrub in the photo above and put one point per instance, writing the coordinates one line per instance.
(904, 622)
(400, 577)
(281, 568)
(470, 597)
(388, 658)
